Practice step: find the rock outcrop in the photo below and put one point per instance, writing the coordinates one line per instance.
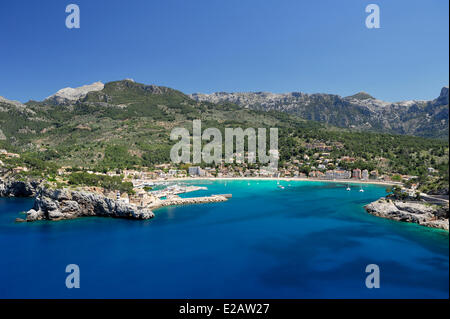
(443, 97)
(69, 95)
(10, 105)
(61, 204)
(413, 212)
(14, 188)
(69, 204)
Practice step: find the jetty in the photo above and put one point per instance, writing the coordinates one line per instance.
(176, 189)
(176, 200)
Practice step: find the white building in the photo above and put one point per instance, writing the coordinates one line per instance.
(365, 174)
(196, 171)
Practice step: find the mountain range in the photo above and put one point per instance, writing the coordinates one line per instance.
(126, 124)
(360, 111)
(120, 121)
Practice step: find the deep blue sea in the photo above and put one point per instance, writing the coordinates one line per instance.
(309, 240)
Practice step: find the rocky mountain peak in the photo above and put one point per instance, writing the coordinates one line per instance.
(73, 94)
(361, 96)
(443, 97)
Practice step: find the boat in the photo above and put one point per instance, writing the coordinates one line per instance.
(348, 188)
(361, 189)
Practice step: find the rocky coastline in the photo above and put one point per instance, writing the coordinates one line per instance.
(69, 204)
(410, 211)
(15, 188)
(59, 204)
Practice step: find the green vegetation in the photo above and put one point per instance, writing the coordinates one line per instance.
(361, 96)
(127, 125)
(396, 192)
(107, 182)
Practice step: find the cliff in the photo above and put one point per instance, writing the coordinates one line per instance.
(69, 204)
(413, 212)
(13, 188)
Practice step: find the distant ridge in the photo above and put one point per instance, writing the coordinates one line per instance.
(359, 111)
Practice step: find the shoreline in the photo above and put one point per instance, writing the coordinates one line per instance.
(285, 179)
(410, 212)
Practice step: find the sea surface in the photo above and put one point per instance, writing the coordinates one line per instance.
(308, 240)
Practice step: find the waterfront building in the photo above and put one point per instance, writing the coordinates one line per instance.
(319, 174)
(356, 173)
(142, 198)
(338, 174)
(374, 174)
(196, 171)
(365, 174)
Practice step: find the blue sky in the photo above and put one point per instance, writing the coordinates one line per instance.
(227, 45)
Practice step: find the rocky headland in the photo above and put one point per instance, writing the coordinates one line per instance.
(69, 204)
(59, 204)
(410, 211)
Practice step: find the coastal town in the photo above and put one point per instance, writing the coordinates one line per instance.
(136, 192)
(318, 166)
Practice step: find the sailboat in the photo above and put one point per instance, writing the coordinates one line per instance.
(348, 187)
(278, 184)
(361, 189)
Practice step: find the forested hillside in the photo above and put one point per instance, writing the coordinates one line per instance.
(127, 124)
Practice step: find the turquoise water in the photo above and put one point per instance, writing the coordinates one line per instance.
(309, 240)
